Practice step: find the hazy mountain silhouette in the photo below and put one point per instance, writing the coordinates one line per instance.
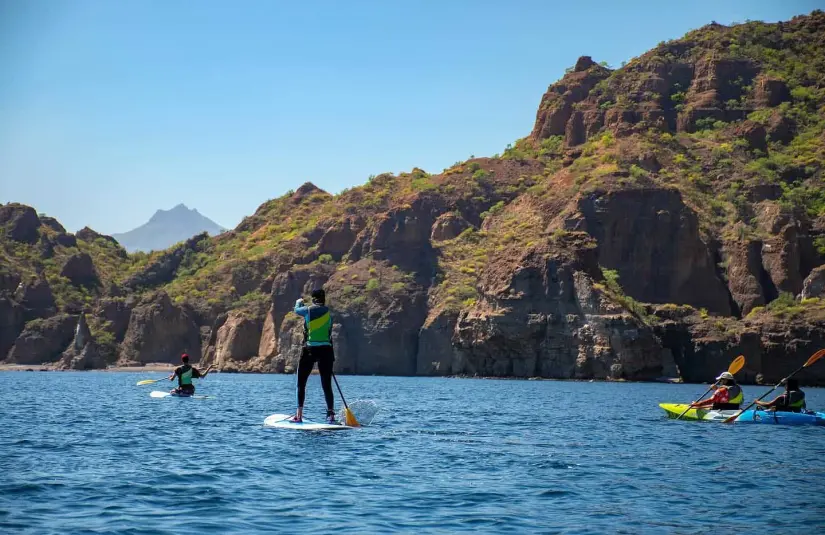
(166, 228)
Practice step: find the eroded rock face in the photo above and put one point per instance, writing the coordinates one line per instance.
(116, 312)
(338, 238)
(546, 319)
(814, 285)
(11, 324)
(435, 345)
(786, 254)
(749, 284)
(82, 353)
(652, 239)
(448, 226)
(36, 298)
(236, 344)
(43, 340)
(159, 331)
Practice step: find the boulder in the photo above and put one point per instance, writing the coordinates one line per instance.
(80, 269)
(159, 331)
(754, 134)
(20, 222)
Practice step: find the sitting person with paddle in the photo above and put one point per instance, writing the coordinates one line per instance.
(728, 394)
(792, 400)
(317, 348)
(185, 373)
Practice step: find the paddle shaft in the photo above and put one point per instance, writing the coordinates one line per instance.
(763, 396)
(700, 399)
(339, 391)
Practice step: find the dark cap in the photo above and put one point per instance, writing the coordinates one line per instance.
(318, 295)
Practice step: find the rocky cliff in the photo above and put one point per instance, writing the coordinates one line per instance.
(660, 219)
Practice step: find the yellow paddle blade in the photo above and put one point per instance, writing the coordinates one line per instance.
(815, 357)
(737, 364)
(148, 381)
(349, 418)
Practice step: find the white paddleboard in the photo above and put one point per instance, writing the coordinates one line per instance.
(282, 421)
(159, 394)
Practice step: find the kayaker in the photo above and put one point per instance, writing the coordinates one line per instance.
(727, 396)
(317, 347)
(792, 400)
(185, 373)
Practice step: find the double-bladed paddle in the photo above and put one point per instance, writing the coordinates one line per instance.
(815, 357)
(737, 364)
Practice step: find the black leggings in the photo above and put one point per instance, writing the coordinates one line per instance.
(324, 356)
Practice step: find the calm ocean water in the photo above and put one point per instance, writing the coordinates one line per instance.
(92, 452)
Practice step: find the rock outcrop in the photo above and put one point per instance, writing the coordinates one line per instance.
(80, 269)
(159, 331)
(236, 345)
(814, 285)
(547, 319)
(82, 353)
(36, 298)
(11, 324)
(20, 222)
(43, 340)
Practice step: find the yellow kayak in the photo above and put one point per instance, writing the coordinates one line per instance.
(673, 410)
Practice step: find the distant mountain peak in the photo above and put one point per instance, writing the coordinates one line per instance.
(167, 227)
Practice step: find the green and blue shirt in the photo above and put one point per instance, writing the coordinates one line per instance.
(317, 325)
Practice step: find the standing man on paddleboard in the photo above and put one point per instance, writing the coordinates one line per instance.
(317, 348)
(185, 373)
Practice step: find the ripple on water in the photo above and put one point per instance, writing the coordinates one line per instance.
(90, 452)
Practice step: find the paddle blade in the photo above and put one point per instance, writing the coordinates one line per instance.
(815, 357)
(350, 419)
(148, 382)
(737, 364)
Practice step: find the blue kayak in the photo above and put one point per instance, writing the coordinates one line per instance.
(782, 418)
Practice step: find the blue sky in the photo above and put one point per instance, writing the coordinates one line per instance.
(111, 110)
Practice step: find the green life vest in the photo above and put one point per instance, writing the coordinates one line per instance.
(185, 376)
(318, 326)
(735, 394)
(794, 400)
